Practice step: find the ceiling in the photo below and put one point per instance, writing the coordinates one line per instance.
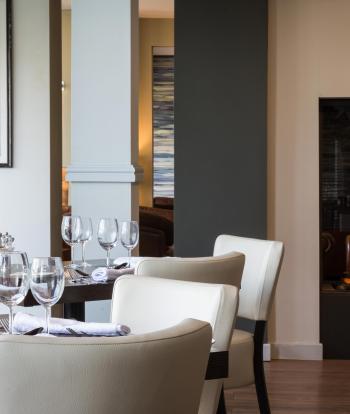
(148, 8)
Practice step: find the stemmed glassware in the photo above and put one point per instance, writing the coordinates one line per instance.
(14, 280)
(47, 283)
(86, 235)
(129, 236)
(71, 230)
(107, 235)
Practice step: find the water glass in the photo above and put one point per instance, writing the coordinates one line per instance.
(47, 283)
(14, 280)
(86, 236)
(129, 236)
(107, 235)
(71, 230)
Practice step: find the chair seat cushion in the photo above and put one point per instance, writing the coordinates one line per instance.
(241, 370)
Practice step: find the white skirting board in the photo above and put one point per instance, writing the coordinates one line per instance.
(293, 351)
(267, 352)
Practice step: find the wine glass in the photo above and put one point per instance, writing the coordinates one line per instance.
(14, 280)
(107, 235)
(86, 235)
(47, 283)
(71, 230)
(129, 236)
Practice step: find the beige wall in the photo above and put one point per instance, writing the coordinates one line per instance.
(153, 32)
(66, 95)
(308, 58)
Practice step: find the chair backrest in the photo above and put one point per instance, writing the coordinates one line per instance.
(150, 303)
(157, 373)
(263, 260)
(225, 269)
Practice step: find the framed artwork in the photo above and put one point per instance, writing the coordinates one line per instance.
(163, 122)
(5, 83)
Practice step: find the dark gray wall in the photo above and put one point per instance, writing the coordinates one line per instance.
(220, 121)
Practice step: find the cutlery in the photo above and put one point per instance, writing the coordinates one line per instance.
(82, 273)
(73, 276)
(75, 333)
(5, 323)
(120, 266)
(34, 331)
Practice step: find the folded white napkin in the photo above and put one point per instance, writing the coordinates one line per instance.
(102, 274)
(24, 322)
(133, 260)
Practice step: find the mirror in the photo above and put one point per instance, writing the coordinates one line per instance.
(5, 84)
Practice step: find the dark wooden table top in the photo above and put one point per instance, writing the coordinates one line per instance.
(80, 292)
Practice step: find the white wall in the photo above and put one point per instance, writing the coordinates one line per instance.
(25, 207)
(308, 59)
(25, 189)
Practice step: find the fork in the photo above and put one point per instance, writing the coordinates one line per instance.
(5, 323)
(73, 276)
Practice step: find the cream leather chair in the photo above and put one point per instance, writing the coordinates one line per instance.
(125, 375)
(262, 264)
(224, 269)
(148, 303)
(263, 261)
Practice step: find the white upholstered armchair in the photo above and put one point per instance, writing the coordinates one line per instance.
(225, 269)
(123, 375)
(261, 270)
(147, 304)
(260, 276)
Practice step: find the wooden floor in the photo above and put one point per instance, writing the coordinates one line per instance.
(298, 387)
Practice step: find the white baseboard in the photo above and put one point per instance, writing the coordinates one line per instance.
(267, 352)
(296, 351)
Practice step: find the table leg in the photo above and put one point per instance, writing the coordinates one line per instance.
(221, 407)
(75, 311)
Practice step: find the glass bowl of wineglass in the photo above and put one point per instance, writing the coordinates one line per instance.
(14, 280)
(129, 236)
(71, 230)
(47, 283)
(107, 236)
(86, 236)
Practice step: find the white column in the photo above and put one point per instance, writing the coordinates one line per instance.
(103, 170)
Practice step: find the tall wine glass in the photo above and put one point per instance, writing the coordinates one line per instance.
(14, 280)
(107, 235)
(129, 236)
(71, 230)
(86, 236)
(47, 283)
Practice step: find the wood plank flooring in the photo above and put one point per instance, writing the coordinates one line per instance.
(298, 387)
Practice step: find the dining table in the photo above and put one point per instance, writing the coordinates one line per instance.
(78, 291)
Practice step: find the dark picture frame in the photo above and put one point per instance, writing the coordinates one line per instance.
(6, 150)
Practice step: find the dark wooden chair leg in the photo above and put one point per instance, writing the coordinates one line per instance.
(221, 407)
(74, 311)
(259, 375)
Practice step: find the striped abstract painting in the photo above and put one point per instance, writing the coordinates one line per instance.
(163, 126)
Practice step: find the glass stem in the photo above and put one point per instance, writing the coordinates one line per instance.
(48, 314)
(11, 320)
(72, 254)
(108, 257)
(129, 255)
(83, 251)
